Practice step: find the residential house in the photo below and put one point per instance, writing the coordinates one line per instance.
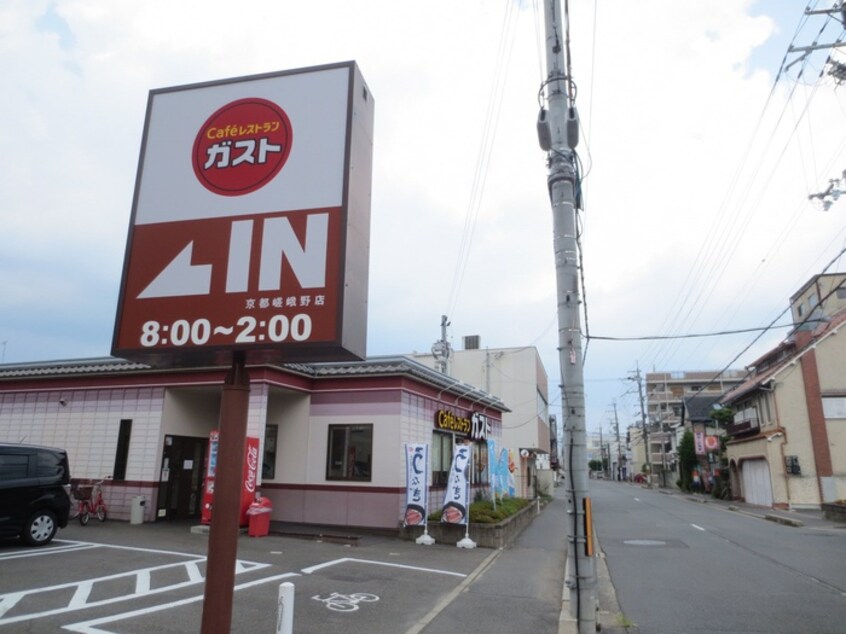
(790, 415)
(698, 411)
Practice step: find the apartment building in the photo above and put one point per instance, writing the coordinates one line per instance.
(676, 401)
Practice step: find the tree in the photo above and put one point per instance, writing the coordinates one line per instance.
(722, 416)
(687, 460)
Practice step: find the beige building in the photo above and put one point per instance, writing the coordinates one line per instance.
(790, 416)
(518, 378)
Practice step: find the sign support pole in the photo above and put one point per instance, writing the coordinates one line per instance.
(223, 537)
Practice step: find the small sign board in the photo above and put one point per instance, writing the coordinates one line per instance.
(251, 221)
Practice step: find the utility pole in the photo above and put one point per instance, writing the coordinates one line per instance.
(644, 424)
(838, 12)
(601, 450)
(441, 349)
(558, 136)
(619, 449)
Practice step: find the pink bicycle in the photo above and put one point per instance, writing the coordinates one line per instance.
(90, 502)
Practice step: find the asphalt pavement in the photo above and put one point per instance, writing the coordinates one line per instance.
(443, 589)
(789, 552)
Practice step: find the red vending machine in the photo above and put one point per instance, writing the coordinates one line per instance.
(248, 478)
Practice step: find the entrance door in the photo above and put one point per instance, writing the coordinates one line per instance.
(180, 487)
(757, 486)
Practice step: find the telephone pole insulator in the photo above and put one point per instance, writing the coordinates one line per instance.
(836, 187)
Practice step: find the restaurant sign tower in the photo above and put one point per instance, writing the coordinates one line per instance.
(250, 222)
(248, 243)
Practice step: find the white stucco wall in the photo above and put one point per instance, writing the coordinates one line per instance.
(87, 426)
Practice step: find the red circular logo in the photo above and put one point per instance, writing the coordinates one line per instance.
(242, 146)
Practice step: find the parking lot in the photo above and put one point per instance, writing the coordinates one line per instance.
(116, 577)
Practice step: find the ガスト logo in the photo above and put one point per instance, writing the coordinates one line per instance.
(242, 146)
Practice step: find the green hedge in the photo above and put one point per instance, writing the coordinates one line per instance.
(482, 512)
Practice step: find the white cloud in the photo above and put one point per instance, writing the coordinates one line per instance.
(669, 92)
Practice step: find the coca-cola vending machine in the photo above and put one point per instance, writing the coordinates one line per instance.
(248, 479)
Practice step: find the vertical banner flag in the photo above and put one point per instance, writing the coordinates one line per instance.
(417, 484)
(492, 475)
(457, 496)
(501, 477)
(512, 489)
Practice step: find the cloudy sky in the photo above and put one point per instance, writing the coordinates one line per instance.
(698, 166)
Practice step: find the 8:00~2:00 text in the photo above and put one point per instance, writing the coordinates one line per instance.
(248, 329)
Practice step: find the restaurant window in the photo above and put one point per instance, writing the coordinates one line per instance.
(349, 454)
(480, 473)
(122, 450)
(441, 457)
(268, 464)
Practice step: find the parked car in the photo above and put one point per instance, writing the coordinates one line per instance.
(34, 485)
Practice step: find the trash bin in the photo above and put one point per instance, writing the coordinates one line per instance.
(259, 518)
(136, 511)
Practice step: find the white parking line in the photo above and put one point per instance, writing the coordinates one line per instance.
(82, 590)
(145, 585)
(336, 562)
(697, 527)
(42, 551)
(90, 627)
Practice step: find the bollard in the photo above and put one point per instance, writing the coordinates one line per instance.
(285, 615)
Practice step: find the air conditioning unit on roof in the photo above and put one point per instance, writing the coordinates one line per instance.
(471, 342)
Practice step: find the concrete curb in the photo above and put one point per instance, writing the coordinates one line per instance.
(772, 517)
(783, 520)
(608, 614)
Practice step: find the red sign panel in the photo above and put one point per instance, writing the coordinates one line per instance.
(250, 222)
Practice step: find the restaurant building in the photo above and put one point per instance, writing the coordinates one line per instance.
(331, 436)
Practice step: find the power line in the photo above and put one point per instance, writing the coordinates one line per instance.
(801, 323)
(689, 336)
(731, 232)
(501, 67)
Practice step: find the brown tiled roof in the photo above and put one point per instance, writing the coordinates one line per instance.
(374, 366)
(828, 326)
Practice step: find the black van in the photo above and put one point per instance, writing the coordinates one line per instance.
(34, 483)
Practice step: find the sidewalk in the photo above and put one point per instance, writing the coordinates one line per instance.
(521, 588)
(808, 518)
(517, 588)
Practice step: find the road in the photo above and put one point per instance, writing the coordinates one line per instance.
(679, 566)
